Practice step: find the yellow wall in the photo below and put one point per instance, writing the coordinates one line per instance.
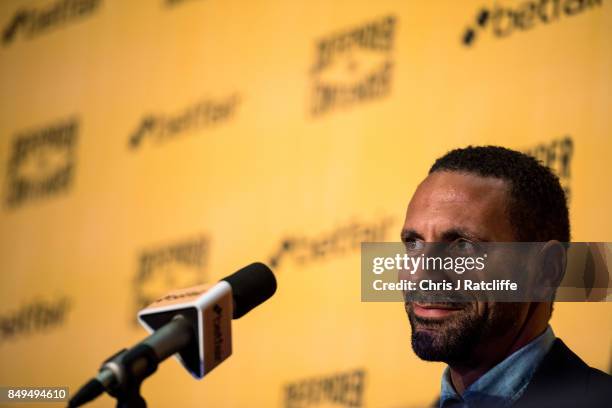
(235, 163)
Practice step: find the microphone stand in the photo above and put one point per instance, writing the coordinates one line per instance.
(123, 373)
(130, 397)
(139, 363)
(121, 376)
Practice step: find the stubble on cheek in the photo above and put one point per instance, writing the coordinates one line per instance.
(448, 339)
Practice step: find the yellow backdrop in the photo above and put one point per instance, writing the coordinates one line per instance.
(149, 145)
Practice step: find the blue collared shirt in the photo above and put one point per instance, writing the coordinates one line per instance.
(503, 384)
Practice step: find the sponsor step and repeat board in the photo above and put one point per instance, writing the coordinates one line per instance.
(152, 145)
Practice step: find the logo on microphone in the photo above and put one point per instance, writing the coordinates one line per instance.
(34, 22)
(505, 20)
(183, 295)
(42, 162)
(166, 268)
(353, 66)
(159, 128)
(557, 155)
(342, 240)
(218, 332)
(341, 389)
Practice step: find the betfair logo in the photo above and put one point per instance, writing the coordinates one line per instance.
(20, 19)
(345, 239)
(218, 332)
(172, 3)
(33, 22)
(38, 316)
(481, 20)
(503, 21)
(159, 128)
(179, 296)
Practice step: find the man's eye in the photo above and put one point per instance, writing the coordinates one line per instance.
(463, 247)
(413, 245)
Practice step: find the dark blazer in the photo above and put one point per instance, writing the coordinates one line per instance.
(564, 380)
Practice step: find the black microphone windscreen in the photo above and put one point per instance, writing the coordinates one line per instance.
(251, 286)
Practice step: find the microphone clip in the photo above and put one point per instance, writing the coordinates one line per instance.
(138, 363)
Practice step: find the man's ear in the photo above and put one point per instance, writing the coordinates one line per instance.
(552, 261)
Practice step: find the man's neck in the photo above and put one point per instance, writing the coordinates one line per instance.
(465, 373)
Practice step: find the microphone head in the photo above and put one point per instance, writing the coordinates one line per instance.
(251, 286)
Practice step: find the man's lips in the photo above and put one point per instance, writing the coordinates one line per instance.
(434, 310)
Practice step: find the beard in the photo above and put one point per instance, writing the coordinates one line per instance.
(456, 337)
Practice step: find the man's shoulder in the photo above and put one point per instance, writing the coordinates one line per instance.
(563, 379)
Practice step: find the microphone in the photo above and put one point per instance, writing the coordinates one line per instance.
(194, 323)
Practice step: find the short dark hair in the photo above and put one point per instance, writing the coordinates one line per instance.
(537, 206)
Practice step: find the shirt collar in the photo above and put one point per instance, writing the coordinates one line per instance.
(504, 383)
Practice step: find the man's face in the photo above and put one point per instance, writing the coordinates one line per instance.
(450, 207)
